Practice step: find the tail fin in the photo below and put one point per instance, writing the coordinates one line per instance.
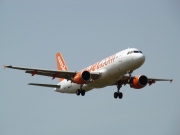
(61, 65)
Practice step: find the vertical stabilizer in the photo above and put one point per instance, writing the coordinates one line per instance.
(61, 65)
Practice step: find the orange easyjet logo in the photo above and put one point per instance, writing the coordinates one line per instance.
(62, 65)
(101, 64)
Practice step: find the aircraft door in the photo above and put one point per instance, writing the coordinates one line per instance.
(120, 58)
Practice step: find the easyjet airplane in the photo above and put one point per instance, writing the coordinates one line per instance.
(113, 70)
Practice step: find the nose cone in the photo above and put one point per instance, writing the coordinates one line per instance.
(140, 58)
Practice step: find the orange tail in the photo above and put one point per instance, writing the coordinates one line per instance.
(61, 65)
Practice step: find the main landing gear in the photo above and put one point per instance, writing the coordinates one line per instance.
(80, 91)
(119, 85)
(118, 93)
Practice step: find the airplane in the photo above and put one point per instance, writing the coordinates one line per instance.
(115, 70)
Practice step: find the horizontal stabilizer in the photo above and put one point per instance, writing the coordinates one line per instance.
(45, 85)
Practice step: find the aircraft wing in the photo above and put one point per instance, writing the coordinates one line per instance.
(52, 73)
(125, 79)
(153, 80)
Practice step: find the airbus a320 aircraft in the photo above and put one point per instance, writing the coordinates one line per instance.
(113, 70)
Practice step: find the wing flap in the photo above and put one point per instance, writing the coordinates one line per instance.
(54, 75)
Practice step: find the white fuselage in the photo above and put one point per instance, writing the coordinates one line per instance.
(111, 70)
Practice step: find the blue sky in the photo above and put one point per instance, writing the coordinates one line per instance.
(32, 32)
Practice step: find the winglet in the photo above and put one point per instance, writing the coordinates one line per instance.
(4, 66)
(171, 81)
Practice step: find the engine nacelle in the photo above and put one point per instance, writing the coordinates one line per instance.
(82, 77)
(139, 82)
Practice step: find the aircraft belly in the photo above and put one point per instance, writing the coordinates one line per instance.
(106, 79)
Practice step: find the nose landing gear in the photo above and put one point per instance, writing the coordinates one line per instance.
(130, 73)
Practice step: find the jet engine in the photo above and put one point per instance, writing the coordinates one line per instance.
(138, 82)
(82, 77)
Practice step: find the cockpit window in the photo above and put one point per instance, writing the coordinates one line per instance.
(133, 52)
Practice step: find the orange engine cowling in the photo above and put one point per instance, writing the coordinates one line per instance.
(82, 77)
(139, 82)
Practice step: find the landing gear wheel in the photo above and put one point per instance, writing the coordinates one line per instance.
(78, 92)
(120, 95)
(115, 95)
(83, 92)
